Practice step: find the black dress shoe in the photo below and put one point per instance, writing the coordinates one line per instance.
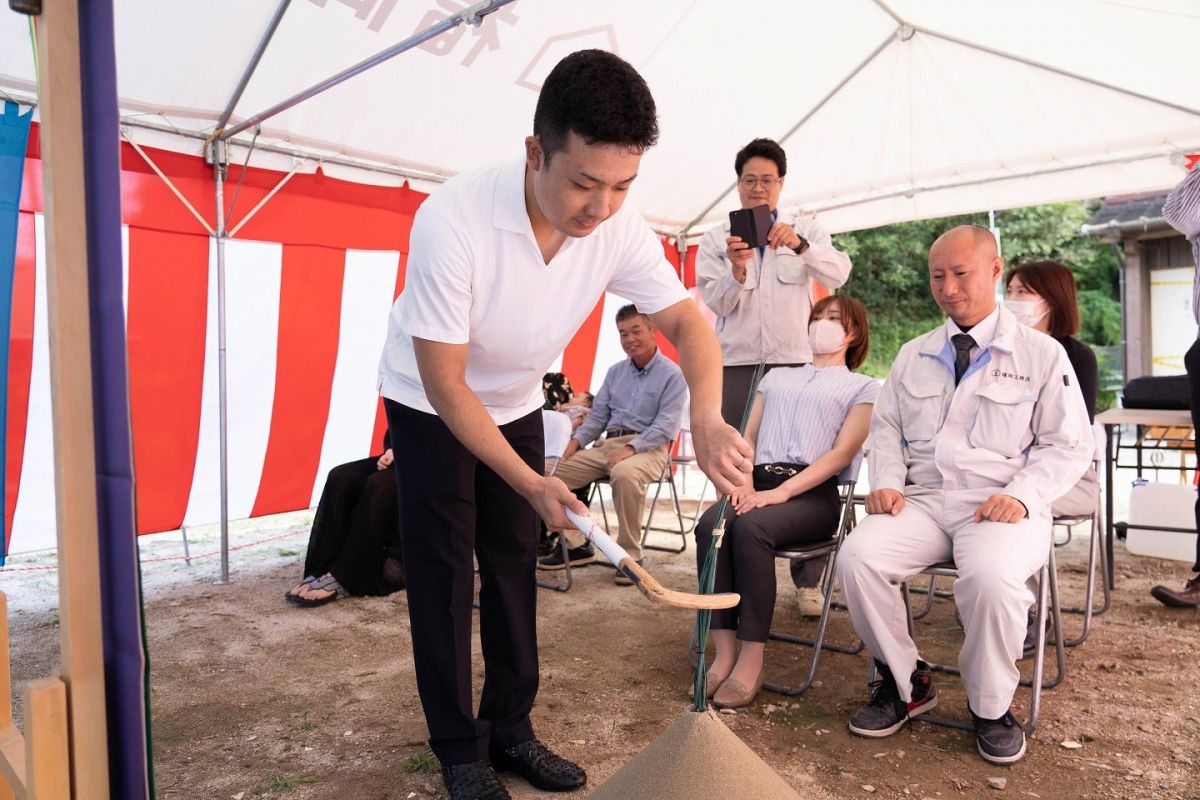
(534, 762)
(1188, 598)
(475, 780)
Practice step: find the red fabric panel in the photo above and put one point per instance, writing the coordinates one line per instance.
(165, 331)
(689, 269)
(20, 365)
(580, 355)
(310, 209)
(310, 301)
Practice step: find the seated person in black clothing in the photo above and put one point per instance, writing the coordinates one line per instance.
(1041, 294)
(354, 547)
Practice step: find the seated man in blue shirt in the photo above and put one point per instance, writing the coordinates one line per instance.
(640, 409)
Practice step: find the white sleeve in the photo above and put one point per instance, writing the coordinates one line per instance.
(643, 275)
(1063, 442)
(437, 281)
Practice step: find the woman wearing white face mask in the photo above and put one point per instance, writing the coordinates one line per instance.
(1041, 294)
(806, 425)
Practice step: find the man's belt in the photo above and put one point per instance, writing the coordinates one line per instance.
(611, 432)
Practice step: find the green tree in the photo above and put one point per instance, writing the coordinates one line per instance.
(890, 273)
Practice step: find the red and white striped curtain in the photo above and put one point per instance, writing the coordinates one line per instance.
(309, 282)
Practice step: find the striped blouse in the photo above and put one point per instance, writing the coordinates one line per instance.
(804, 408)
(1182, 210)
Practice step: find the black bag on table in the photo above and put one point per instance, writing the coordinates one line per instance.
(1164, 392)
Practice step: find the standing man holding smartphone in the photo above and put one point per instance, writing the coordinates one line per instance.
(505, 264)
(762, 296)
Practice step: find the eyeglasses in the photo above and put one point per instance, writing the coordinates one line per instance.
(767, 181)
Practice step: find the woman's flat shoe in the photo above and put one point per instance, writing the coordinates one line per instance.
(710, 687)
(733, 694)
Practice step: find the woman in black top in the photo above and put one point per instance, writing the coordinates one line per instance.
(1041, 294)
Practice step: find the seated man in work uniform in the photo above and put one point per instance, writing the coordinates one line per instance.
(640, 408)
(978, 429)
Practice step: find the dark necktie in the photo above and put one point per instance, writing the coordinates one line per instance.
(962, 354)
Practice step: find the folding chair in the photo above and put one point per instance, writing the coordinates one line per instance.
(668, 477)
(1047, 585)
(1096, 552)
(683, 458)
(828, 550)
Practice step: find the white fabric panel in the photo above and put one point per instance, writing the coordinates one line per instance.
(949, 113)
(34, 521)
(608, 343)
(252, 280)
(370, 280)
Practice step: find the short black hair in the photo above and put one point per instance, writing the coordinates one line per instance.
(629, 312)
(601, 97)
(761, 148)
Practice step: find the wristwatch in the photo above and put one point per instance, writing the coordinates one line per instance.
(800, 248)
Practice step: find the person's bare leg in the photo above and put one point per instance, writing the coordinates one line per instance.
(726, 645)
(749, 663)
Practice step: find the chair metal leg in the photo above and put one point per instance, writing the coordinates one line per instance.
(1047, 584)
(565, 586)
(930, 593)
(817, 644)
(682, 532)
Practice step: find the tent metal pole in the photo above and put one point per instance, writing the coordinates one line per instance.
(820, 104)
(253, 65)
(1029, 62)
(471, 15)
(915, 190)
(219, 159)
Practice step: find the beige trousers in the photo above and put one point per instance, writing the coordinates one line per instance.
(629, 480)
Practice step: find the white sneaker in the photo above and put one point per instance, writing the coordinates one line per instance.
(810, 600)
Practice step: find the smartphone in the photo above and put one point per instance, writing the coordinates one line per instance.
(751, 224)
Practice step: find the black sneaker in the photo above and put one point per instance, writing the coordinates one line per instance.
(885, 713)
(1000, 741)
(547, 544)
(577, 556)
(539, 765)
(475, 780)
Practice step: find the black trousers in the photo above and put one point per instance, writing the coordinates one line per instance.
(746, 558)
(357, 529)
(735, 389)
(452, 506)
(1191, 362)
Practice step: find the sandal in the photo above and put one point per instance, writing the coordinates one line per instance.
(291, 594)
(326, 583)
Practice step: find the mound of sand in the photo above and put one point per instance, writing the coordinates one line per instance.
(696, 757)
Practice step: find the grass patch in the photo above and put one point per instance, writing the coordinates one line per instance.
(422, 762)
(306, 724)
(287, 553)
(279, 785)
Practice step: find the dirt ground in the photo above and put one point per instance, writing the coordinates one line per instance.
(254, 697)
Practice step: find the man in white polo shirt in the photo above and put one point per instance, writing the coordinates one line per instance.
(504, 266)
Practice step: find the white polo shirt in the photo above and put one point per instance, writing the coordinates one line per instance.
(475, 276)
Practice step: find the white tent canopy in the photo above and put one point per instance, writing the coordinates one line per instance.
(888, 111)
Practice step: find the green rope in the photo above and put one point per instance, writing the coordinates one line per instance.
(708, 574)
